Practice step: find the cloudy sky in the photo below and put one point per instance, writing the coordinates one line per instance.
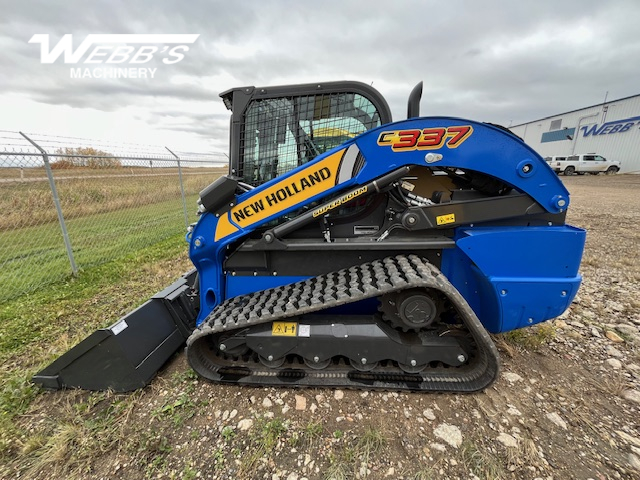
(499, 61)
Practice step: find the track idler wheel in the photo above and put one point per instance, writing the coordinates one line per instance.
(413, 309)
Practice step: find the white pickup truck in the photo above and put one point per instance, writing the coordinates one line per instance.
(583, 163)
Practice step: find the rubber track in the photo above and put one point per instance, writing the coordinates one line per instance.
(333, 289)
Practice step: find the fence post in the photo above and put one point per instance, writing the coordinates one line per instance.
(56, 201)
(184, 200)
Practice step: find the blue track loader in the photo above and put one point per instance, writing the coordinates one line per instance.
(346, 250)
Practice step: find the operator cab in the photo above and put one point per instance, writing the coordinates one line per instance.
(276, 129)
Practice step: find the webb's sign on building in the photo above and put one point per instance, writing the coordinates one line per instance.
(617, 126)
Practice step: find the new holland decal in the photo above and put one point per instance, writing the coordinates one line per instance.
(425, 139)
(297, 185)
(289, 192)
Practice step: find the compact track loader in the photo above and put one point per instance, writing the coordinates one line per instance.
(344, 250)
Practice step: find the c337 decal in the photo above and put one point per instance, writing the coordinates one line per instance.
(425, 139)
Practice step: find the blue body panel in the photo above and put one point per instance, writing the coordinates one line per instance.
(243, 285)
(486, 261)
(515, 276)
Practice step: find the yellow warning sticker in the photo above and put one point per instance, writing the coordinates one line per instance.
(284, 329)
(445, 219)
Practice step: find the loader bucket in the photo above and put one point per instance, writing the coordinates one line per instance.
(128, 354)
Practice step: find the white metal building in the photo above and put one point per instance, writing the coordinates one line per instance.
(610, 129)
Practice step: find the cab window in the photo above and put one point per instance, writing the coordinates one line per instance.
(283, 133)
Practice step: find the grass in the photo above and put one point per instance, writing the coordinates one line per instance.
(177, 410)
(306, 437)
(49, 321)
(481, 461)
(426, 473)
(64, 309)
(338, 469)
(370, 442)
(32, 257)
(529, 339)
(68, 445)
(263, 439)
(87, 192)
(354, 459)
(228, 433)
(614, 385)
(107, 212)
(36, 328)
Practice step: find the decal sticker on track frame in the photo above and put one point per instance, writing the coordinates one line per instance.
(284, 329)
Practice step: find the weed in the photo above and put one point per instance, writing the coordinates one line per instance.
(149, 449)
(504, 346)
(371, 441)
(530, 338)
(481, 461)
(91, 401)
(310, 432)
(157, 464)
(228, 433)
(313, 430)
(184, 376)
(625, 336)
(188, 473)
(218, 459)
(271, 432)
(426, 473)
(350, 455)
(33, 443)
(355, 459)
(264, 438)
(16, 395)
(338, 469)
(528, 452)
(178, 410)
(614, 385)
(338, 434)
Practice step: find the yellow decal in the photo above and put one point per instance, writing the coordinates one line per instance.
(425, 139)
(224, 227)
(284, 329)
(445, 219)
(340, 201)
(289, 192)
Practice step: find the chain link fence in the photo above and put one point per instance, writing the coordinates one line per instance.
(70, 203)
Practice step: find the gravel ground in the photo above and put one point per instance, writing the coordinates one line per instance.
(566, 405)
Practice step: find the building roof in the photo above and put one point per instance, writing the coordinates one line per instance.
(576, 110)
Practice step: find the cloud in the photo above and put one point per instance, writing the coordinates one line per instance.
(496, 61)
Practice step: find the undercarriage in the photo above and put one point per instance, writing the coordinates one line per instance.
(289, 336)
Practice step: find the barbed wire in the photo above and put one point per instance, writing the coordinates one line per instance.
(57, 145)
